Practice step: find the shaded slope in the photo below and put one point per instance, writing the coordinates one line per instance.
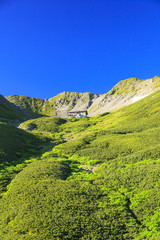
(10, 111)
(30, 107)
(13, 141)
(16, 146)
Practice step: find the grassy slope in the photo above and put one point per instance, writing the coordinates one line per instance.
(119, 200)
(60, 209)
(7, 111)
(47, 124)
(15, 147)
(31, 106)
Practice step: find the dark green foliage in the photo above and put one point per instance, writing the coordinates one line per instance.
(13, 141)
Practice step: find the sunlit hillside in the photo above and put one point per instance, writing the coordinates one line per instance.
(90, 178)
(122, 94)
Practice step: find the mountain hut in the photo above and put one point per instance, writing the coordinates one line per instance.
(78, 114)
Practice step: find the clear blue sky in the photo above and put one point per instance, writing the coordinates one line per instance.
(51, 46)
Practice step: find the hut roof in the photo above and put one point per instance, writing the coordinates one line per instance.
(78, 111)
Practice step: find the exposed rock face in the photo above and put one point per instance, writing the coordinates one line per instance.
(125, 93)
(122, 94)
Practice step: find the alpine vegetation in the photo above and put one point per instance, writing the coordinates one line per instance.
(94, 177)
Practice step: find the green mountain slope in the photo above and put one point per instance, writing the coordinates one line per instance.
(99, 181)
(123, 93)
(15, 147)
(10, 111)
(23, 105)
(60, 209)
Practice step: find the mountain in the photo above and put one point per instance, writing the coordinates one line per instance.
(122, 94)
(89, 178)
(56, 106)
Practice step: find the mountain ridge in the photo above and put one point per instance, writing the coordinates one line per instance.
(123, 93)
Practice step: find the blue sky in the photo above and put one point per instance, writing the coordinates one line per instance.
(51, 46)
